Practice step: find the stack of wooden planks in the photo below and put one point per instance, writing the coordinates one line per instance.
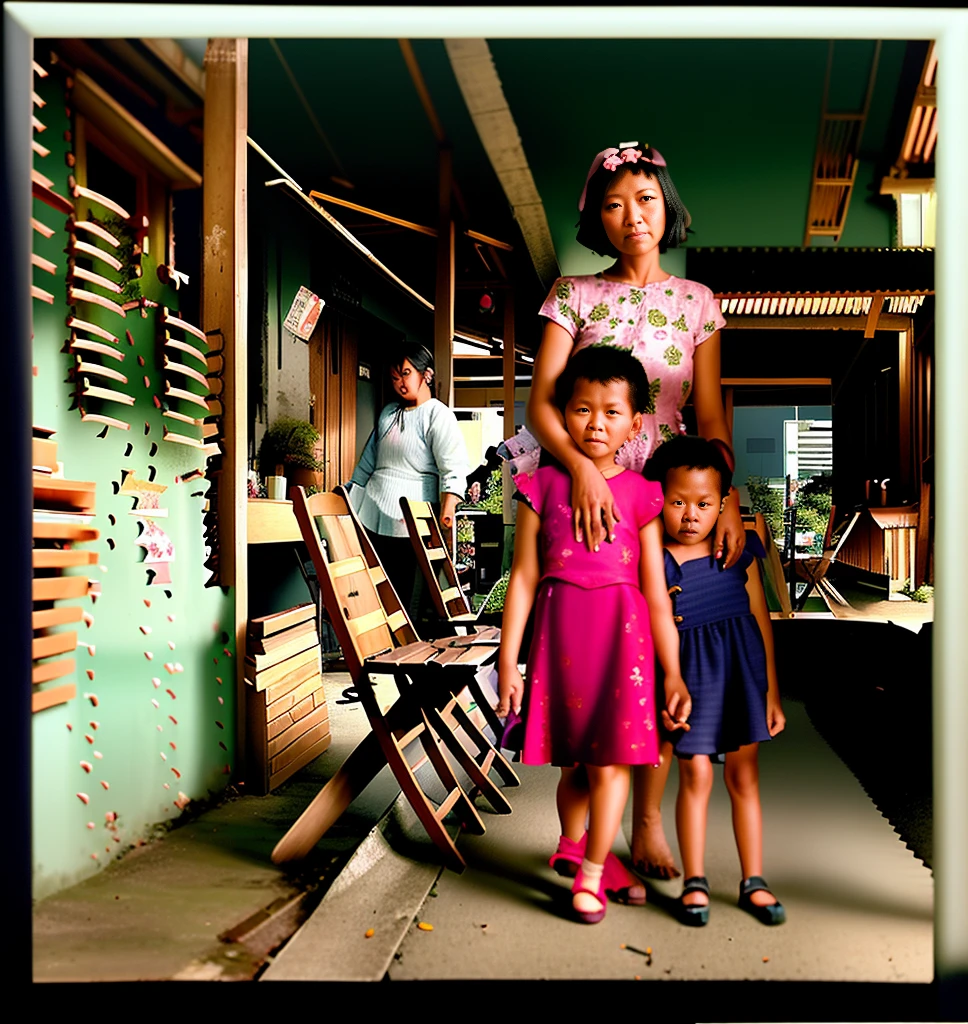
(288, 721)
(63, 512)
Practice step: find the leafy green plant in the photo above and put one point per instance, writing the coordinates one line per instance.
(495, 600)
(125, 234)
(289, 442)
(494, 494)
(768, 501)
(922, 595)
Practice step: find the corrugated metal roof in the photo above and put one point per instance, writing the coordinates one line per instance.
(820, 271)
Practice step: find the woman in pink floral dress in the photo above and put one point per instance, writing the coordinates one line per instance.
(630, 209)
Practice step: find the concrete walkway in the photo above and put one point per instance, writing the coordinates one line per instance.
(859, 903)
(204, 902)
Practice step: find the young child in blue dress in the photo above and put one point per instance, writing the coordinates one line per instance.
(727, 663)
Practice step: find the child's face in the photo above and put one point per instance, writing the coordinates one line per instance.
(633, 213)
(691, 505)
(600, 419)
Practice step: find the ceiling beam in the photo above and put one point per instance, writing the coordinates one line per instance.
(484, 95)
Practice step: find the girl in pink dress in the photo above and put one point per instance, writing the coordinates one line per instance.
(601, 618)
(630, 210)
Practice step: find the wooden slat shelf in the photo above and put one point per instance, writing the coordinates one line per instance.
(54, 558)
(57, 588)
(79, 495)
(271, 522)
(56, 617)
(64, 531)
(46, 195)
(53, 670)
(50, 698)
(56, 643)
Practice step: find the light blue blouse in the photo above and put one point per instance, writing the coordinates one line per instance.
(415, 452)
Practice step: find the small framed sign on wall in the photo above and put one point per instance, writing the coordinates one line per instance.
(303, 314)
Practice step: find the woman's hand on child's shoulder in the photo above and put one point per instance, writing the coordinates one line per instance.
(678, 707)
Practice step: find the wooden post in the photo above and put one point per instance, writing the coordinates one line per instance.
(444, 296)
(508, 390)
(224, 297)
(905, 419)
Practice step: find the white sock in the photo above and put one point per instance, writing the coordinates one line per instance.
(592, 877)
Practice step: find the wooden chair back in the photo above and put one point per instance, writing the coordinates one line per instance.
(433, 557)
(366, 614)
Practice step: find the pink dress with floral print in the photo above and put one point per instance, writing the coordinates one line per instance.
(662, 324)
(590, 680)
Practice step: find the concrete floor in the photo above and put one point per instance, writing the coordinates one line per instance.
(205, 902)
(859, 903)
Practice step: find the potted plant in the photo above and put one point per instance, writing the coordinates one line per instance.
(293, 448)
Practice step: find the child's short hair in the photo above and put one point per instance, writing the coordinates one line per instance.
(602, 364)
(591, 231)
(688, 452)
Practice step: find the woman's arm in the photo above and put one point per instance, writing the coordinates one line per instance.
(366, 465)
(775, 719)
(450, 455)
(665, 636)
(591, 497)
(707, 400)
(518, 599)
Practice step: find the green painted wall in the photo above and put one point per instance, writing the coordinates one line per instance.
(142, 755)
(736, 120)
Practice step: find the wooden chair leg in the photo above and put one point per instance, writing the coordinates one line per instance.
(404, 723)
(365, 761)
(490, 716)
(431, 817)
(471, 729)
(477, 768)
(464, 807)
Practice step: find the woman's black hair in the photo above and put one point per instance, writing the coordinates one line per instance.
(419, 356)
(688, 452)
(591, 231)
(421, 359)
(602, 364)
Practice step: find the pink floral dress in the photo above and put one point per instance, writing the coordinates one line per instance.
(662, 324)
(590, 695)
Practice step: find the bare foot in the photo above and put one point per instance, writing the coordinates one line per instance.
(651, 855)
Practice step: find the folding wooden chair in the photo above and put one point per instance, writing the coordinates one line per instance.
(433, 558)
(449, 599)
(377, 637)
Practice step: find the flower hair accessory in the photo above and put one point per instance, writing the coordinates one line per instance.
(614, 158)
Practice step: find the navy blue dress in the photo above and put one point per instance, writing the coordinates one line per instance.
(721, 655)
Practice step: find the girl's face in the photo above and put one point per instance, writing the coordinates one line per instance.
(692, 502)
(407, 381)
(633, 213)
(600, 419)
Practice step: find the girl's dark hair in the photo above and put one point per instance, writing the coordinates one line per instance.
(602, 364)
(688, 452)
(591, 231)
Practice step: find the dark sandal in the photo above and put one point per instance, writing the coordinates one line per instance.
(772, 913)
(696, 916)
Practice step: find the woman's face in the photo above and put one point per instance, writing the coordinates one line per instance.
(633, 213)
(407, 381)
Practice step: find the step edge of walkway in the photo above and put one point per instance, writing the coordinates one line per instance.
(332, 943)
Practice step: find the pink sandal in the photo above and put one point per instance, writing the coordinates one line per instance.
(589, 916)
(620, 885)
(568, 857)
